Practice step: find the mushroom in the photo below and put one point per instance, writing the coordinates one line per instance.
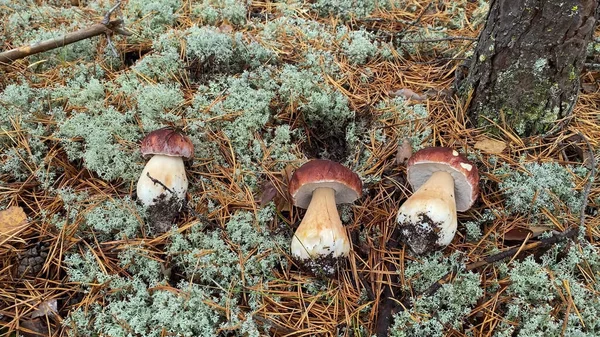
(168, 148)
(444, 181)
(318, 186)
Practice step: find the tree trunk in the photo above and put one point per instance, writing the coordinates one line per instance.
(524, 73)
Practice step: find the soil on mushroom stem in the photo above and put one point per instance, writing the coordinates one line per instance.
(323, 267)
(422, 237)
(162, 213)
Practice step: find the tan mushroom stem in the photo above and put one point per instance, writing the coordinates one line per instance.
(321, 231)
(432, 204)
(170, 171)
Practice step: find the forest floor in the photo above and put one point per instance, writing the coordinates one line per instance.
(260, 88)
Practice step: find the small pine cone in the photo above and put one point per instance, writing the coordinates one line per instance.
(32, 260)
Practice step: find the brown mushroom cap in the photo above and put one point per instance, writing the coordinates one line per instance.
(168, 142)
(427, 161)
(324, 173)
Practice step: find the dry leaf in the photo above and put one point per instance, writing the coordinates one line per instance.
(589, 88)
(408, 94)
(489, 145)
(404, 151)
(520, 234)
(46, 308)
(282, 204)
(282, 201)
(267, 193)
(34, 327)
(225, 28)
(539, 230)
(287, 172)
(12, 221)
(517, 234)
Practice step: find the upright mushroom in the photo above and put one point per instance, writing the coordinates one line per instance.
(318, 186)
(444, 181)
(168, 148)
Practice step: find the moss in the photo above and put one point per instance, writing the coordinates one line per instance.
(211, 257)
(163, 66)
(532, 115)
(531, 286)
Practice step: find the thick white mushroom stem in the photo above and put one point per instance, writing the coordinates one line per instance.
(321, 232)
(168, 170)
(428, 217)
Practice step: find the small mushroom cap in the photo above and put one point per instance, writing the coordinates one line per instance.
(427, 161)
(167, 142)
(324, 173)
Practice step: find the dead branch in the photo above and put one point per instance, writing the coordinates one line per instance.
(417, 20)
(106, 26)
(449, 38)
(543, 243)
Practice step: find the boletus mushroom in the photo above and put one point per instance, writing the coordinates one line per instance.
(318, 186)
(167, 148)
(444, 182)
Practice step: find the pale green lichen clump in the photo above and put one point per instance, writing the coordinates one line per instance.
(93, 138)
(212, 258)
(447, 308)
(244, 99)
(213, 11)
(534, 284)
(548, 185)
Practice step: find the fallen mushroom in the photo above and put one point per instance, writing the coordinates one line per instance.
(163, 183)
(318, 186)
(444, 181)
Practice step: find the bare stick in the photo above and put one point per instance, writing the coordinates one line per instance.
(588, 185)
(105, 27)
(417, 20)
(543, 243)
(449, 38)
(388, 305)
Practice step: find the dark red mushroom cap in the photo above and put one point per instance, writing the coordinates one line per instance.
(167, 142)
(324, 173)
(427, 161)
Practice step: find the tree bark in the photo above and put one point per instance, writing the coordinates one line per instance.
(524, 74)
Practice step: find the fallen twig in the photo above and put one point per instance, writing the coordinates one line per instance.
(449, 38)
(417, 20)
(588, 185)
(106, 26)
(545, 242)
(388, 306)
